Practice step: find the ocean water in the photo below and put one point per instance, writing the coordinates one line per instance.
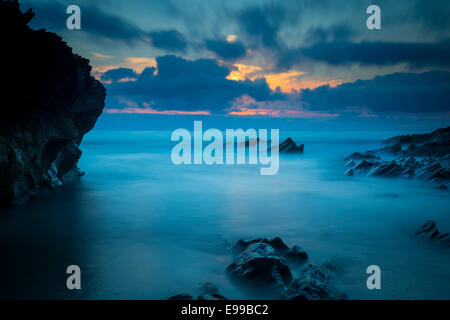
(141, 227)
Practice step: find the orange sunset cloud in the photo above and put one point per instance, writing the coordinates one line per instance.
(288, 82)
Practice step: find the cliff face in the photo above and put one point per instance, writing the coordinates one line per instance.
(49, 101)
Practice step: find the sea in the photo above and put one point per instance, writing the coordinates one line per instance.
(141, 227)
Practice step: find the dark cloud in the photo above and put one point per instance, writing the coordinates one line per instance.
(170, 40)
(434, 15)
(94, 21)
(101, 25)
(381, 53)
(118, 74)
(262, 24)
(398, 92)
(188, 85)
(332, 42)
(226, 50)
(340, 32)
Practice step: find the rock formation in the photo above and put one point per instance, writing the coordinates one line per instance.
(206, 291)
(429, 232)
(313, 284)
(261, 265)
(289, 146)
(423, 156)
(49, 101)
(266, 265)
(268, 268)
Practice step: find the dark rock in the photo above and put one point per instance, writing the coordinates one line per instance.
(263, 264)
(363, 166)
(429, 232)
(368, 155)
(289, 146)
(243, 244)
(183, 296)
(313, 284)
(435, 146)
(260, 264)
(350, 163)
(206, 291)
(49, 101)
(297, 255)
(442, 187)
(250, 142)
(280, 247)
(276, 243)
(391, 169)
(433, 171)
(349, 173)
(394, 149)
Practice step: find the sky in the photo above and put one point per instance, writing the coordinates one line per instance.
(292, 60)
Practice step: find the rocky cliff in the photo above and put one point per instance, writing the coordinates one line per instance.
(49, 101)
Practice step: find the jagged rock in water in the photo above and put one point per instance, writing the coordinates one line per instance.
(390, 169)
(434, 144)
(266, 266)
(363, 166)
(251, 142)
(429, 232)
(368, 155)
(433, 172)
(276, 243)
(442, 187)
(182, 296)
(296, 255)
(280, 247)
(432, 149)
(48, 103)
(350, 163)
(261, 265)
(313, 284)
(349, 172)
(289, 146)
(206, 291)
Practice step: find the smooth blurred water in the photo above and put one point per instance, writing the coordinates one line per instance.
(142, 228)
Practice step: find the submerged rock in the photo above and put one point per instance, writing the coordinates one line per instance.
(429, 232)
(442, 187)
(49, 102)
(334, 264)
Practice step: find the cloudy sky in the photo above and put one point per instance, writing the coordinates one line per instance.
(294, 59)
